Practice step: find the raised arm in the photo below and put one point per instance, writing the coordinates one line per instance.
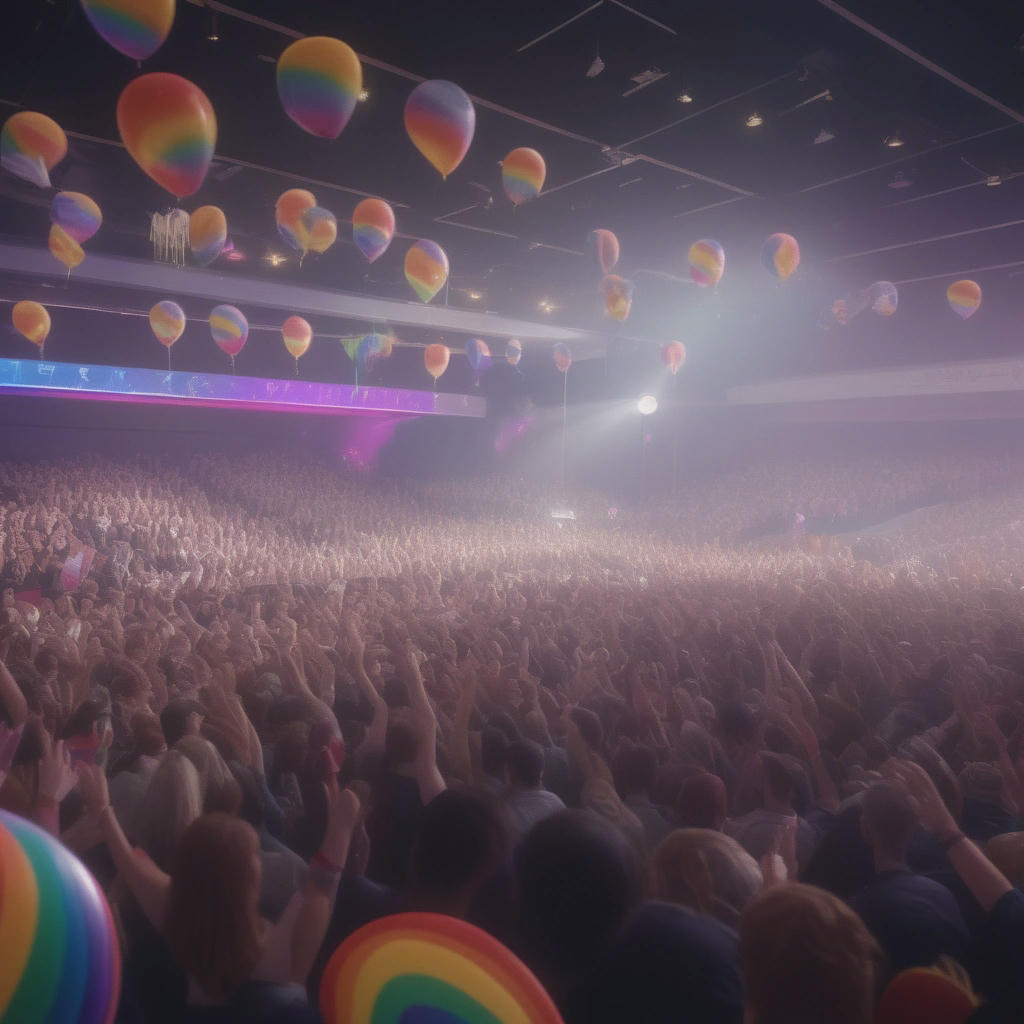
(373, 742)
(428, 777)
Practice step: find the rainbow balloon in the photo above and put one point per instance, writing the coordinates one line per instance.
(207, 234)
(373, 227)
(440, 120)
(479, 356)
(373, 346)
(673, 355)
(31, 145)
(964, 298)
(707, 262)
(62, 960)
(430, 968)
(606, 246)
(435, 359)
(136, 28)
(513, 351)
(167, 320)
(32, 321)
(883, 298)
(76, 214)
(229, 330)
(426, 268)
(562, 356)
(618, 296)
(64, 248)
(289, 212)
(780, 255)
(297, 335)
(168, 126)
(319, 80)
(321, 227)
(522, 174)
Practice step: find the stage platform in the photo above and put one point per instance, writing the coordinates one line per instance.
(42, 378)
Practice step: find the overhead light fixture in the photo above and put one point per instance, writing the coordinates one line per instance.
(684, 97)
(235, 255)
(755, 121)
(646, 405)
(364, 95)
(900, 180)
(474, 296)
(546, 306)
(644, 79)
(993, 180)
(823, 136)
(892, 141)
(275, 259)
(212, 35)
(596, 67)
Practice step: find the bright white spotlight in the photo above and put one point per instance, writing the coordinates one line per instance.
(647, 405)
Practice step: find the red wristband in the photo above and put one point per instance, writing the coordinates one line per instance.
(325, 864)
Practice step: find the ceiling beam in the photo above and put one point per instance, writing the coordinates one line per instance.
(918, 58)
(926, 241)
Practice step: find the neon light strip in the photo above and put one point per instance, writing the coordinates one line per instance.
(177, 387)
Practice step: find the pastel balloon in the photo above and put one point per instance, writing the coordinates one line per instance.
(289, 211)
(207, 234)
(618, 296)
(136, 28)
(76, 214)
(373, 227)
(606, 247)
(522, 174)
(64, 248)
(62, 959)
(321, 227)
(31, 145)
(31, 320)
(435, 359)
(373, 346)
(479, 356)
(229, 329)
(440, 120)
(673, 355)
(707, 262)
(319, 80)
(297, 335)
(167, 321)
(430, 967)
(168, 126)
(964, 298)
(513, 351)
(562, 356)
(883, 298)
(426, 268)
(780, 255)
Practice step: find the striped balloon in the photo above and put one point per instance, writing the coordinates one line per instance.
(64, 248)
(514, 351)
(229, 330)
(440, 120)
(318, 81)
(297, 335)
(435, 359)
(884, 298)
(618, 296)
(32, 321)
(964, 298)
(707, 262)
(373, 227)
(61, 958)
(76, 214)
(136, 28)
(562, 356)
(426, 268)
(289, 212)
(780, 255)
(321, 227)
(673, 355)
(606, 247)
(207, 234)
(168, 126)
(31, 145)
(167, 321)
(522, 174)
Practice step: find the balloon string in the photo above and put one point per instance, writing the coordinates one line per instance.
(168, 359)
(565, 395)
(232, 364)
(296, 366)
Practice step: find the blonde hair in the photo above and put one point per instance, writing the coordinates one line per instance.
(706, 871)
(217, 786)
(172, 801)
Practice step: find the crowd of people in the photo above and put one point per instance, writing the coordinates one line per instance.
(682, 776)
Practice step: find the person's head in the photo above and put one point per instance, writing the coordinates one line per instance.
(181, 718)
(635, 771)
(213, 927)
(706, 871)
(887, 822)
(578, 880)
(702, 802)
(172, 801)
(807, 959)
(780, 775)
(737, 726)
(459, 845)
(220, 790)
(524, 764)
(589, 725)
(493, 748)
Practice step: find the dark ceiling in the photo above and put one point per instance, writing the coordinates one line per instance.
(945, 76)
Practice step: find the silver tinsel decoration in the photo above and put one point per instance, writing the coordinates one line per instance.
(169, 234)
